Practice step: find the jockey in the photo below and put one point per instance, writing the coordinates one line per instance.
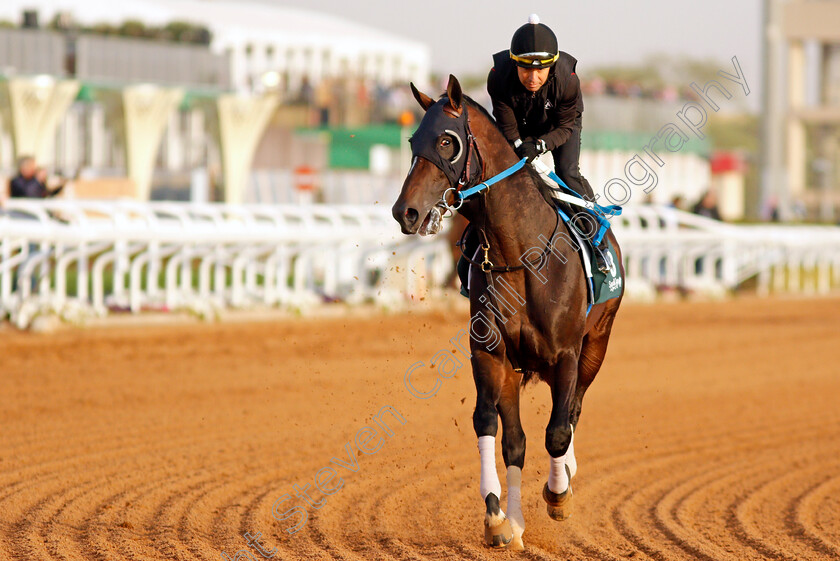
(538, 105)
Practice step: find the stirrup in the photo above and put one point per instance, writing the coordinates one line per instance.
(603, 260)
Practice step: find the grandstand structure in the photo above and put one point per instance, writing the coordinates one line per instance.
(800, 108)
(156, 111)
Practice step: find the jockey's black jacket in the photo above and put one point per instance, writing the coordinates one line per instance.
(550, 113)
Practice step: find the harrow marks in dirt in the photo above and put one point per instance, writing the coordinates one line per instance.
(711, 434)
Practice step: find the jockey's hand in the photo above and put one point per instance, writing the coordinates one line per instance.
(531, 148)
(528, 150)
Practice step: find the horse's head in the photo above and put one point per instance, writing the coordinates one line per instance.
(440, 151)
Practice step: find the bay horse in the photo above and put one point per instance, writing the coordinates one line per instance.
(545, 331)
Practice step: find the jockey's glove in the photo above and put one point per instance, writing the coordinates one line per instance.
(530, 149)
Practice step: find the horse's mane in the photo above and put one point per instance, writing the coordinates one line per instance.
(476, 105)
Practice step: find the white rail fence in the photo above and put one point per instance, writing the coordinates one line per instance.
(664, 247)
(74, 258)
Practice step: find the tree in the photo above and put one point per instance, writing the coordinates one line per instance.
(133, 28)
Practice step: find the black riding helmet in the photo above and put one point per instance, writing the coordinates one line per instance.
(534, 45)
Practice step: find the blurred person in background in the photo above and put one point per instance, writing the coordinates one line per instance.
(770, 211)
(707, 206)
(31, 182)
(678, 202)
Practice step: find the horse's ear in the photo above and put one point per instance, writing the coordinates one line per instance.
(454, 93)
(424, 100)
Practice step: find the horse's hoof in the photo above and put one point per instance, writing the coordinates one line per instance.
(498, 535)
(516, 544)
(559, 507)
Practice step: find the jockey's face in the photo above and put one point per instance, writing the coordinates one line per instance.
(532, 78)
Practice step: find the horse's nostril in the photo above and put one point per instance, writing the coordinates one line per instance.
(411, 215)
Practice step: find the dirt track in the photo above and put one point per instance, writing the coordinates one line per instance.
(712, 433)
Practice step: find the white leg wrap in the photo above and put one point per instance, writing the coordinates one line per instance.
(558, 482)
(570, 456)
(514, 500)
(489, 477)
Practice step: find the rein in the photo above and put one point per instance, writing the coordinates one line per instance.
(492, 181)
(461, 195)
(461, 191)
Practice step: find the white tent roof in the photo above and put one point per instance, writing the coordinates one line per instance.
(230, 20)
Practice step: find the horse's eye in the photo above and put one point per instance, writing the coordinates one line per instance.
(446, 146)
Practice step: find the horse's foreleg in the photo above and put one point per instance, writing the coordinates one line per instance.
(488, 380)
(571, 461)
(513, 452)
(558, 438)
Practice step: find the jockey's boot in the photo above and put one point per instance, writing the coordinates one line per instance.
(603, 258)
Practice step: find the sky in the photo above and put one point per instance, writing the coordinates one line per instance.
(464, 34)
